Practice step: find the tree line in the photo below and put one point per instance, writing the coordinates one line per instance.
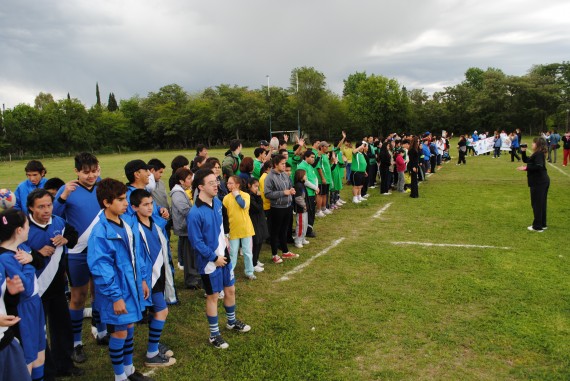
(369, 105)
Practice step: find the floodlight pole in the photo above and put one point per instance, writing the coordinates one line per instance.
(269, 101)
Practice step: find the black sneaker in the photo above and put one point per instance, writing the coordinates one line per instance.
(78, 355)
(138, 376)
(165, 350)
(219, 342)
(104, 341)
(159, 360)
(73, 371)
(239, 326)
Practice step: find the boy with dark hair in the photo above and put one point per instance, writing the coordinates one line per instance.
(49, 237)
(52, 185)
(35, 172)
(312, 186)
(77, 203)
(260, 155)
(232, 160)
(159, 192)
(137, 172)
(206, 233)
(178, 162)
(118, 275)
(201, 155)
(153, 248)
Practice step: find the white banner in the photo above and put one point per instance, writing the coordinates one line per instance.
(488, 145)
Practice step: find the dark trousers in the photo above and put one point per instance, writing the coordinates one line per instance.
(192, 277)
(384, 180)
(497, 152)
(311, 210)
(255, 250)
(414, 185)
(515, 154)
(461, 159)
(433, 163)
(364, 189)
(538, 195)
(58, 352)
(280, 220)
(372, 172)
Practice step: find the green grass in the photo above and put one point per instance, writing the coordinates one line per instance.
(371, 310)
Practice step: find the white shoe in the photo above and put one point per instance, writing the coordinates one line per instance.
(221, 294)
(299, 245)
(338, 203)
(386, 194)
(180, 267)
(94, 332)
(305, 242)
(372, 187)
(327, 211)
(260, 264)
(258, 268)
(87, 312)
(341, 201)
(366, 195)
(356, 200)
(320, 214)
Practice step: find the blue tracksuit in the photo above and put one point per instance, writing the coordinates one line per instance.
(116, 270)
(22, 192)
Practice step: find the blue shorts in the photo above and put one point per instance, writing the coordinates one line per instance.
(13, 364)
(32, 327)
(216, 281)
(78, 270)
(158, 302)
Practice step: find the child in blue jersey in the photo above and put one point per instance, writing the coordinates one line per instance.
(153, 249)
(35, 172)
(206, 233)
(11, 353)
(77, 203)
(14, 228)
(119, 277)
(49, 238)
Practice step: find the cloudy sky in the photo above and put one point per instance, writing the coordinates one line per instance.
(136, 46)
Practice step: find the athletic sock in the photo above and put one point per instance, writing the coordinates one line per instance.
(128, 350)
(213, 323)
(38, 373)
(101, 327)
(116, 352)
(154, 332)
(76, 325)
(231, 314)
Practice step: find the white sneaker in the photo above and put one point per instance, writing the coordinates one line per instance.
(299, 245)
(338, 203)
(366, 195)
(87, 312)
(356, 200)
(258, 268)
(221, 294)
(180, 267)
(320, 214)
(305, 242)
(341, 201)
(94, 332)
(260, 264)
(327, 211)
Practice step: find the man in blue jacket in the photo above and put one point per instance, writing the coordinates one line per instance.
(35, 172)
(206, 233)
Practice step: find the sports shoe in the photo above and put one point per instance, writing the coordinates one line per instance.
(78, 355)
(219, 342)
(306, 242)
(338, 203)
(103, 341)
(260, 264)
(87, 312)
(320, 214)
(289, 255)
(356, 200)
(239, 326)
(251, 276)
(277, 259)
(221, 295)
(341, 201)
(299, 245)
(366, 195)
(327, 211)
(180, 267)
(159, 360)
(534, 230)
(372, 186)
(386, 194)
(258, 268)
(334, 207)
(138, 376)
(165, 350)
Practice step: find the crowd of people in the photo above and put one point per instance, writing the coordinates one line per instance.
(62, 240)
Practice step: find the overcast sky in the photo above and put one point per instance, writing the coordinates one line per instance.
(137, 46)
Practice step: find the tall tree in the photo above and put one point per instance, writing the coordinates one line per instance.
(42, 100)
(112, 104)
(98, 103)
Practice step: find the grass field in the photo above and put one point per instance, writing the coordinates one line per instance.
(369, 309)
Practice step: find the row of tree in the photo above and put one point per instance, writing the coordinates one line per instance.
(370, 104)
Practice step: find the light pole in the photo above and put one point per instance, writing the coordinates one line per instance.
(269, 101)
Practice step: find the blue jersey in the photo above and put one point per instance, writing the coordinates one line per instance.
(22, 192)
(40, 236)
(116, 271)
(6, 333)
(155, 210)
(80, 210)
(206, 234)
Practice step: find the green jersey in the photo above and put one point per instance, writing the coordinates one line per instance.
(312, 175)
(257, 168)
(325, 166)
(358, 163)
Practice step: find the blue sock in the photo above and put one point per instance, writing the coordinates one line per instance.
(116, 353)
(76, 325)
(213, 322)
(154, 332)
(231, 314)
(129, 347)
(38, 373)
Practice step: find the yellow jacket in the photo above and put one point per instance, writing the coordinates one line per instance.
(239, 220)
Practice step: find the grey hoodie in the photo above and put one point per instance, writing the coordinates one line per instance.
(180, 209)
(275, 184)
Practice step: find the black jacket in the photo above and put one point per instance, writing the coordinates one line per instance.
(536, 169)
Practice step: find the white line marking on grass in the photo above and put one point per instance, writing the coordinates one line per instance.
(558, 169)
(451, 245)
(381, 211)
(310, 260)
